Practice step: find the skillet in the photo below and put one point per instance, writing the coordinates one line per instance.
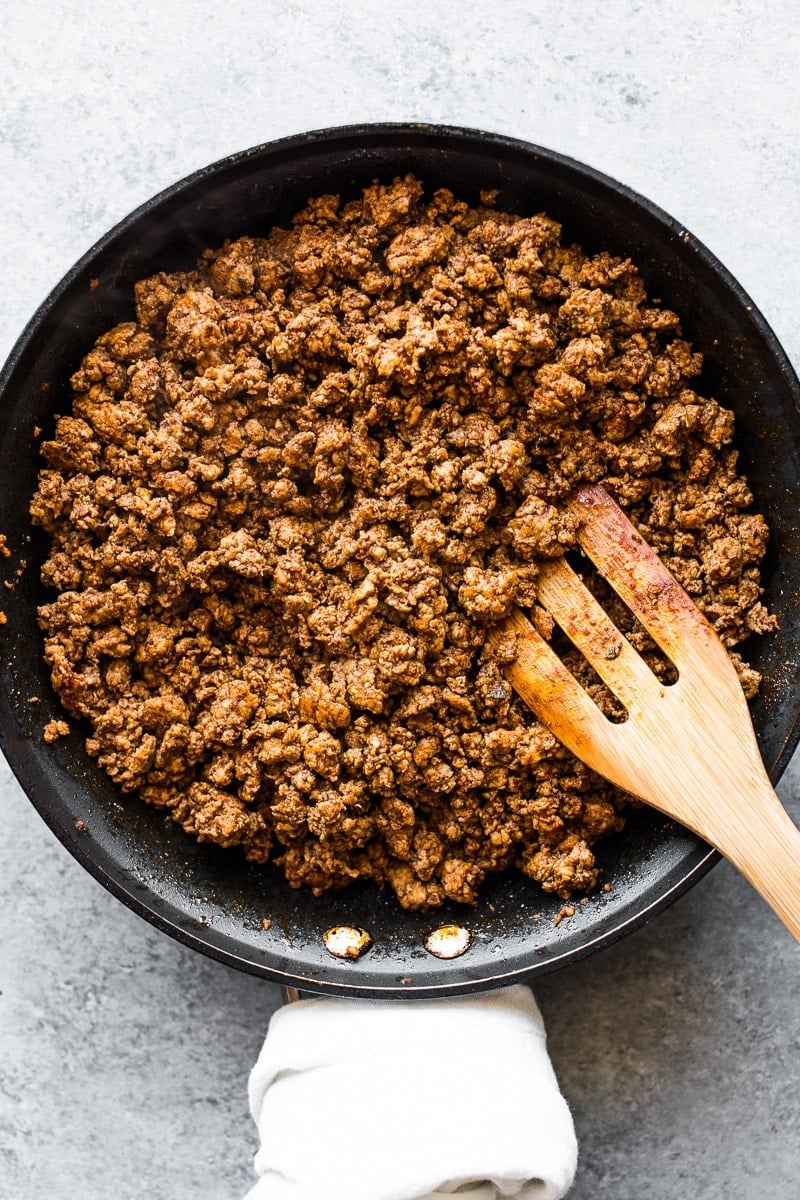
(211, 899)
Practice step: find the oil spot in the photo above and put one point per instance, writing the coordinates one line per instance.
(346, 941)
(449, 941)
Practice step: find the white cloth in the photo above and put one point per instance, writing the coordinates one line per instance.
(414, 1100)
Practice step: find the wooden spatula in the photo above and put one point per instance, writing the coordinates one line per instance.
(686, 748)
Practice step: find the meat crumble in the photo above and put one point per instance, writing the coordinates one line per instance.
(294, 494)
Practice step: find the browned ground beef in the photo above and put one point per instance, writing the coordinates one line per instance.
(292, 497)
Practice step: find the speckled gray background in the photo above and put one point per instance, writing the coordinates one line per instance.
(123, 1057)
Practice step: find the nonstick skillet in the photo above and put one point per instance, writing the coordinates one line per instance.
(212, 899)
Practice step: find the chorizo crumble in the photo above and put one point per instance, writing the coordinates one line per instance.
(296, 491)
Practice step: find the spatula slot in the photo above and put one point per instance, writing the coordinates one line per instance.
(582, 670)
(599, 640)
(624, 619)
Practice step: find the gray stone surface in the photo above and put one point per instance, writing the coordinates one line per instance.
(123, 1057)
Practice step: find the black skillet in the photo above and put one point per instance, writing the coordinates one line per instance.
(211, 899)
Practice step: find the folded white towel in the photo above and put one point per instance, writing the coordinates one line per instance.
(373, 1100)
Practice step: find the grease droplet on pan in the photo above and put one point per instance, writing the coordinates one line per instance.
(346, 941)
(449, 941)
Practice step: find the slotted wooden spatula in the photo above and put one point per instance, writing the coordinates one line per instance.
(687, 748)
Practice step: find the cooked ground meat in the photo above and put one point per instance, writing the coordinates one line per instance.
(292, 497)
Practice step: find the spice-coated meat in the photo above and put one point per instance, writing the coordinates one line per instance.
(294, 494)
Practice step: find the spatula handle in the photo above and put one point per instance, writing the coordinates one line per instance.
(765, 847)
